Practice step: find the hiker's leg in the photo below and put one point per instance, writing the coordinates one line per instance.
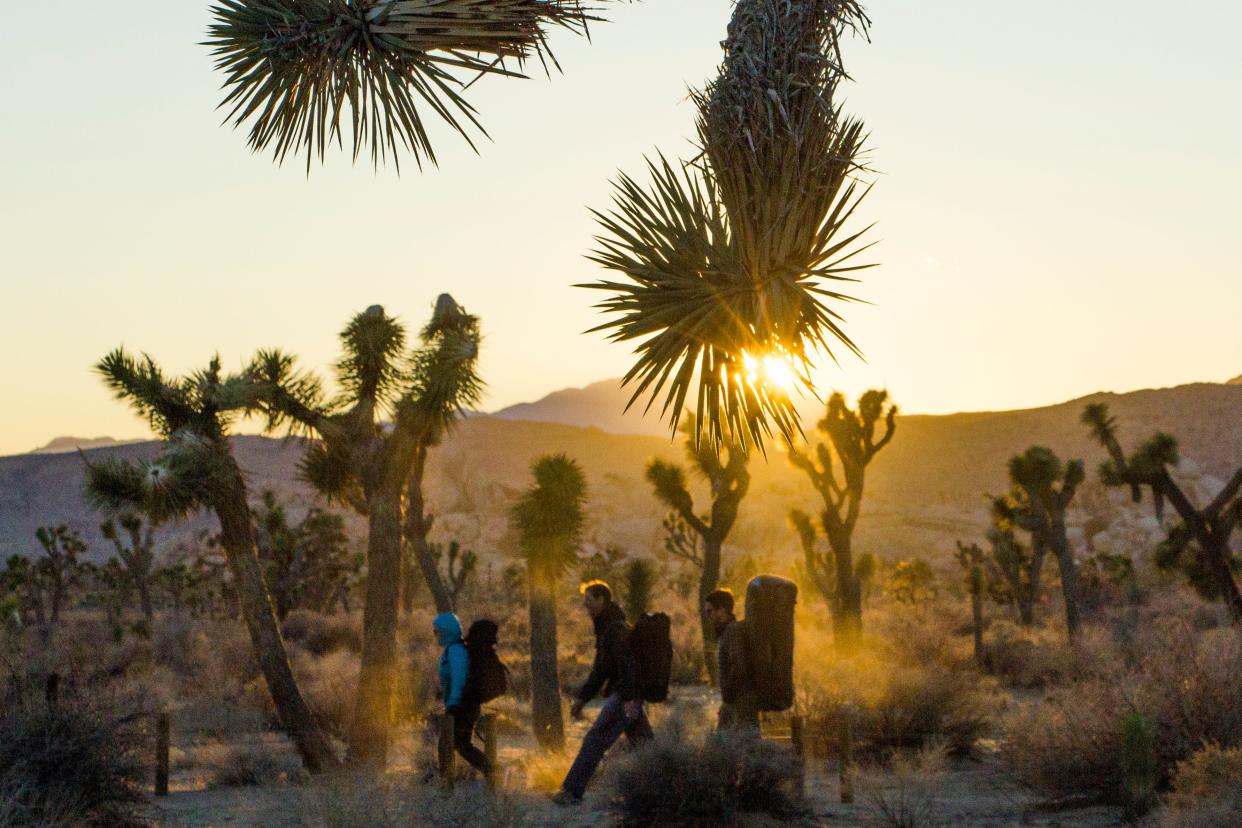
(463, 732)
(638, 730)
(608, 727)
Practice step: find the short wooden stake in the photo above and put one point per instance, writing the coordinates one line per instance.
(51, 690)
(845, 756)
(799, 749)
(489, 743)
(163, 740)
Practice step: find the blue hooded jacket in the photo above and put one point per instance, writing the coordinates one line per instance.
(454, 661)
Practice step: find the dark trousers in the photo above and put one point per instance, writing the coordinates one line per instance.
(739, 715)
(464, 719)
(606, 730)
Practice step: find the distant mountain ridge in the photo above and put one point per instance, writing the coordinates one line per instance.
(923, 492)
(59, 445)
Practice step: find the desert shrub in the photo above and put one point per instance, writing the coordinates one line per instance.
(322, 634)
(546, 770)
(1029, 657)
(1209, 774)
(673, 782)
(689, 665)
(893, 705)
(1222, 810)
(1070, 743)
(76, 762)
(252, 763)
(328, 683)
(217, 718)
(903, 795)
(364, 801)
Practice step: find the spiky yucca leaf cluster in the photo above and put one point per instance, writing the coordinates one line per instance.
(193, 414)
(296, 69)
(727, 258)
(550, 515)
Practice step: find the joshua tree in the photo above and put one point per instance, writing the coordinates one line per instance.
(727, 260)
(376, 466)
(728, 481)
(1043, 487)
(549, 519)
(60, 567)
(850, 441)
(1020, 566)
(137, 557)
(296, 69)
(459, 565)
(196, 470)
(639, 582)
(1198, 545)
(26, 584)
(970, 558)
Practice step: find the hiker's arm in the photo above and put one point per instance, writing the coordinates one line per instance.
(599, 674)
(459, 664)
(732, 664)
(627, 665)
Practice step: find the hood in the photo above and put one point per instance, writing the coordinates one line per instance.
(448, 628)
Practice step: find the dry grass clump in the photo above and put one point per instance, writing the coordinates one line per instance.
(321, 634)
(1070, 743)
(903, 795)
(250, 763)
(672, 781)
(76, 763)
(546, 770)
(360, 800)
(1210, 774)
(1030, 657)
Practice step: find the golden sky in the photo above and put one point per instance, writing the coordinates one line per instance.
(1056, 207)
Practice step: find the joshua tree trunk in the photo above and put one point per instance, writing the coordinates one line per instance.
(1027, 597)
(417, 527)
(368, 738)
(1069, 577)
(545, 693)
(976, 611)
(709, 580)
(237, 538)
(847, 608)
(144, 599)
(1217, 554)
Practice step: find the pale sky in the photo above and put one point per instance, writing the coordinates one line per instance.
(1057, 206)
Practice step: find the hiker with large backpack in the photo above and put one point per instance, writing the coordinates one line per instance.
(470, 675)
(616, 674)
(739, 696)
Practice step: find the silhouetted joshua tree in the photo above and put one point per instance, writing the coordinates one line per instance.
(838, 471)
(137, 556)
(549, 519)
(1020, 567)
(728, 481)
(195, 470)
(727, 262)
(1198, 544)
(458, 565)
(60, 568)
(1043, 487)
(376, 466)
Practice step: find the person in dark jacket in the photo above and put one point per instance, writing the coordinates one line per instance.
(739, 704)
(454, 668)
(612, 675)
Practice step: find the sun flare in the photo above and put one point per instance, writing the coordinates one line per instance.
(771, 372)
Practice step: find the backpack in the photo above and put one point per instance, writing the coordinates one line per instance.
(486, 677)
(653, 656)
(770, 602)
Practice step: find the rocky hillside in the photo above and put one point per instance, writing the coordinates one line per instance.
(925, 490)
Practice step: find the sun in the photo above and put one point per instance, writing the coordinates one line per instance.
(772, 371)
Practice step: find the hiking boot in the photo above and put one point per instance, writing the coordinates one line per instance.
(566, 799)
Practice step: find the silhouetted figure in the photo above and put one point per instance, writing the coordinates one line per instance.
(613, 674)
(739, 702)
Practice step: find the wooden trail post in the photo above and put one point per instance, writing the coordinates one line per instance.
(51, 690)
(799, 749)
(163, 740)
(845, 758)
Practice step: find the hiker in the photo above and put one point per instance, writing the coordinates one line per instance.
(454, 670)
(739, 703)
(613, 673)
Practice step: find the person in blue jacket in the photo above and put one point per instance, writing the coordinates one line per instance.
(454, 668)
